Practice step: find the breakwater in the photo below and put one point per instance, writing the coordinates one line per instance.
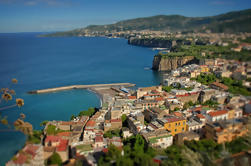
(49, 90)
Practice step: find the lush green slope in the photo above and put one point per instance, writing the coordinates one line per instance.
(239, 21)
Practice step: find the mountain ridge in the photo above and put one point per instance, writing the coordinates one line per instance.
(231, 22)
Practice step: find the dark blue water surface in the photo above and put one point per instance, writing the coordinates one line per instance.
(40, 63)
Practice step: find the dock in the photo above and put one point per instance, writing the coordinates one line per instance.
(63, 88)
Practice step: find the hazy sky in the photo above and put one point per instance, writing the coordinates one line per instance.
(59, 15)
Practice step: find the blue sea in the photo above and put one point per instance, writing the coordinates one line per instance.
(40, 62)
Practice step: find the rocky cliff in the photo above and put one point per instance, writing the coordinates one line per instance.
(153, 42)
(171, 63)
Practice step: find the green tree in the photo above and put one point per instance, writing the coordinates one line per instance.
(167, 88)
(123, 118)
(88, 112)
(35, 138)
(54, 159)
(72, 117)
(111, 133)
(139, 144)
(238, 145)
(44, 123)
(175, 156)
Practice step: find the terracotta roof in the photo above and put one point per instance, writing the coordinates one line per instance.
(21, 158)
(52, 138)
(218, 130)
(31, 149)
(64, 134)
(245, 44)
(197, 108)
(187, 94)
(98, 139)
(151, 95)
(174, 119)
(159, 99)
(131, 97)
(220, 85)
(200, 116)
(116, 120)
(62, 145)
(90, 123)
(177, 114)
(218, 113)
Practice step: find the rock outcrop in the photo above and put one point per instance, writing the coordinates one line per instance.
(171, 63)
(153, 42)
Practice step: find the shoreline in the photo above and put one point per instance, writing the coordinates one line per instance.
(99, 95)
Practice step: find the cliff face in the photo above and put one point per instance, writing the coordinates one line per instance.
(171, 63)
(151, 42)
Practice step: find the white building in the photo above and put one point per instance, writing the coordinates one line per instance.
(217, 116)
(159, 138)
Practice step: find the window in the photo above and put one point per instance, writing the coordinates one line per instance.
(184, 123)
(182, 128)
(175, 124)
(175, 130)
(179, 123)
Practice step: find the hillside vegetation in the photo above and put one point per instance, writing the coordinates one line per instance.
(232, 22)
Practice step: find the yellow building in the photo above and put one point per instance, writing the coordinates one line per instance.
(231, 114)
(204, 68)
(175, 124)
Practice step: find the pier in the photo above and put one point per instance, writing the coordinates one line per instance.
(63, 88)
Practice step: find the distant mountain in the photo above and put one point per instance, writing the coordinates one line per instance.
(232, 22)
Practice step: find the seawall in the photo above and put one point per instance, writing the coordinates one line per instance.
(49, 90)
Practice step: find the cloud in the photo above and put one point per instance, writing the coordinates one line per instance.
(221, 3)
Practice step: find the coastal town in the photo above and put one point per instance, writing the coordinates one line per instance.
(125, 83)
(193, 102)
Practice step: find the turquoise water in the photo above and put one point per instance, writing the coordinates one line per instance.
(40, 63)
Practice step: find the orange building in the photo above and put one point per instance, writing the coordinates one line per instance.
(225, 131)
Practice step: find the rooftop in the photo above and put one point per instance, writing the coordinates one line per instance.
(217, 113)
(220, 85)
(90, 123)
(52, 138)
(200, 116)
(99, 139)
(64, 134)
(62, 145)
(171, 119)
